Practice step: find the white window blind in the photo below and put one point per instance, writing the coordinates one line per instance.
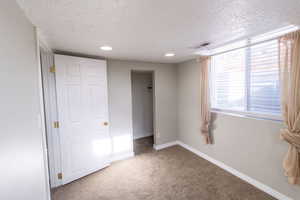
(247, 79)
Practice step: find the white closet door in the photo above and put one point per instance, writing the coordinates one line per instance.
(83, 115)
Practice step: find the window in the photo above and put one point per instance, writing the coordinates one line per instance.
(247, 79)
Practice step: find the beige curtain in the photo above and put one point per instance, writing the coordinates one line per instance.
(205, 99)
(289, 49)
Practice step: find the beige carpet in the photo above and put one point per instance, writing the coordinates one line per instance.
(143, 145)
(170, 174)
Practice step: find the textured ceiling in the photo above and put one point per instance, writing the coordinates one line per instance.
(146, 29)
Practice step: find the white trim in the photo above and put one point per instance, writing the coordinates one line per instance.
(43, 41)
(122, 156)
(166, 145)
(41, 116)
(235, 172)
(51, 114)
(250, 115)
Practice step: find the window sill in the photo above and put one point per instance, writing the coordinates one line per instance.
(248, 115)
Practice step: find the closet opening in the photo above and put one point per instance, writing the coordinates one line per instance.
(143, 104)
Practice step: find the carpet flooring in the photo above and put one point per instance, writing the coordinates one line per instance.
(143, 145)
(169, 174)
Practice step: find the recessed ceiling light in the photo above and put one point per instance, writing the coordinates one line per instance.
(106, 48)
(170, 54)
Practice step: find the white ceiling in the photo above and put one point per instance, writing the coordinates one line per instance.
(146, 29)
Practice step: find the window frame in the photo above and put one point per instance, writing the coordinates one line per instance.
(246, 113)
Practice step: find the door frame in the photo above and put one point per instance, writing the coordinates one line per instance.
(52, 171)
(41, 116)
(152, 72)
(51, 116)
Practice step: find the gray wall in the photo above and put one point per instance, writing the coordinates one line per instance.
(142, 104)
(22, 169)
(250, 146)
(120, 101)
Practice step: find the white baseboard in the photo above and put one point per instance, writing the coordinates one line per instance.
(162, 146)
(122, 156)
(233, 171)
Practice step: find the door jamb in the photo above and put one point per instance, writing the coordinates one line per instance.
(153, 101)
(41, 115)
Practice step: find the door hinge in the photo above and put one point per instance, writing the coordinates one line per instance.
(52, 69)
(59, 176)
(56, 124)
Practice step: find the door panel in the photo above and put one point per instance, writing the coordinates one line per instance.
(51, 115)
(83, 111)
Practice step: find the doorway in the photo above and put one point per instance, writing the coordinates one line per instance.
(142, 111)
